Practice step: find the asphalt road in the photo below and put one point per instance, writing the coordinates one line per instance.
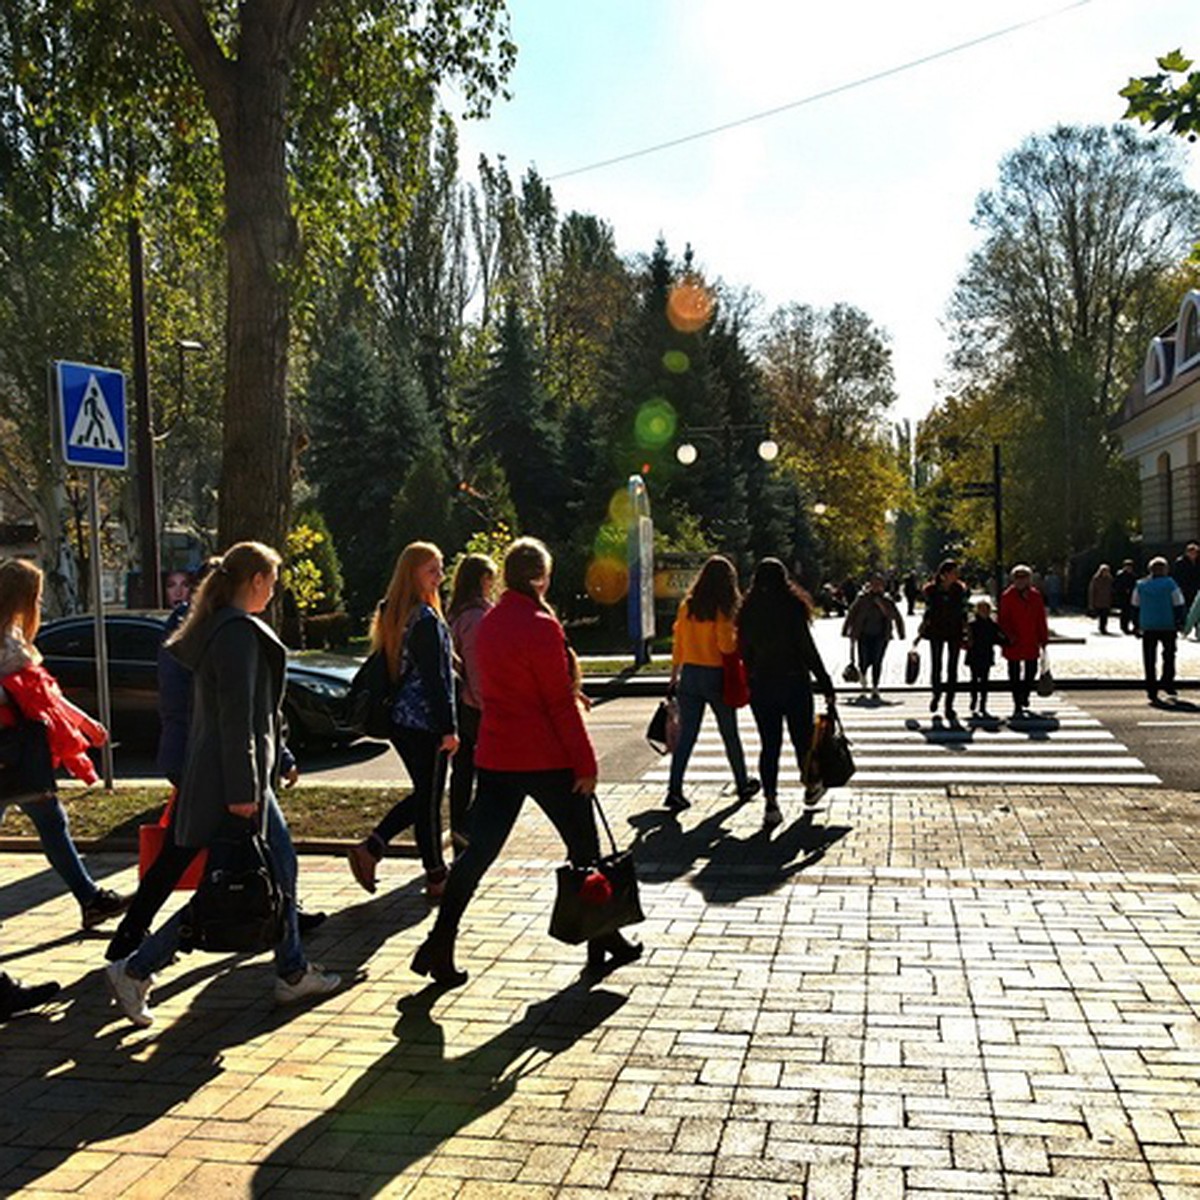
(1166, 740)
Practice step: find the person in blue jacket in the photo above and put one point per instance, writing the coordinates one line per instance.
(1159, 603)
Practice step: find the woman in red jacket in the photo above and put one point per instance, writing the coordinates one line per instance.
(41, 730)
(532, 742)
(1023, 622)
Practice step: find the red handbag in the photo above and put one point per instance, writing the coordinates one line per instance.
(735, 687)
(150, 844)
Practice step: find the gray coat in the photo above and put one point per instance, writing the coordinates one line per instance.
(238, 669)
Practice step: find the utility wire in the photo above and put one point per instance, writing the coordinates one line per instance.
(833, 91)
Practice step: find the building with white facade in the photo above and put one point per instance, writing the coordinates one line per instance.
(1159, 427)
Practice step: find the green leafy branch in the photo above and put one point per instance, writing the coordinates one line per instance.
(1158, 100)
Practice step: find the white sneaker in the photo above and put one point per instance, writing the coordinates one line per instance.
(314, 982)
(131, 994)
(772, 817)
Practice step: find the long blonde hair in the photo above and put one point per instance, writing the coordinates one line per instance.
(232, 571)
(21, 601)
(403, 597)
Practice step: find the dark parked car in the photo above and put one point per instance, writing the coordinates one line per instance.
(314, 703)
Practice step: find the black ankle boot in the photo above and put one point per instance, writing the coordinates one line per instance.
(436, 960)
(611, 951)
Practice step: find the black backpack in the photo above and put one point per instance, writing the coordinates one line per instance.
(370, 702)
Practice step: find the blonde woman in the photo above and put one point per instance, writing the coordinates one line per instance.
(41, 730)
(232, 767)
(415, 641)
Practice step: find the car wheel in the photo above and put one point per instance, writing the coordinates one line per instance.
(297, 736)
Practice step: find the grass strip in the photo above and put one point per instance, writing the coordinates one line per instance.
(315, 812)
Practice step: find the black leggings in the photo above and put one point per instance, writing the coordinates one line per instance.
(1022, 672)
(497, 805)
(419, 750)
(937, 648)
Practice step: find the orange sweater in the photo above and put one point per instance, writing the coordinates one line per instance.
(701, 643)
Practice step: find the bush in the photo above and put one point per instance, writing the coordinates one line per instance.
(327, 631)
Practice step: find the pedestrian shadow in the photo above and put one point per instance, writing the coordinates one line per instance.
(665, 850)
(77, 1059)
(1175, 704)
(414, 1098)
(761, 863)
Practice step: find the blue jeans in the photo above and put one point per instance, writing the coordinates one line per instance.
(699, 686)
(50, 820)
(160, 947)
(773, 700)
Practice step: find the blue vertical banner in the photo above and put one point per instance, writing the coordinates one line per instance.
(640, 558)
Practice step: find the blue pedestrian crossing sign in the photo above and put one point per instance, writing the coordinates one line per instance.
(91, 413)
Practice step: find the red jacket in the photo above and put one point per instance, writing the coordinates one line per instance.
(531, 719)
(69, 730)
(1023, 622)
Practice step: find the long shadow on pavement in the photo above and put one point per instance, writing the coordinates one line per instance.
(733, 867)
(72, 1087)
(414, 1098)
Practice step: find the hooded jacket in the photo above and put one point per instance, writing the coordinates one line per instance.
(238, 670)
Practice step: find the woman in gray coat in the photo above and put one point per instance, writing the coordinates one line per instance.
(231, 771)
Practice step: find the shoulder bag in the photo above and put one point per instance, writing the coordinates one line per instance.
(828, 761)
(735, 687)
(238, 906)
(595, 900)
(152, 838)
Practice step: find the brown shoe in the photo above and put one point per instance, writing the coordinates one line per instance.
(363, 864)
(435, 885)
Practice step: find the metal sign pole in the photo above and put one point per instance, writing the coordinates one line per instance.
(102, 692)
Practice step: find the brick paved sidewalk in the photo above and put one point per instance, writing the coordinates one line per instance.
(990, 994)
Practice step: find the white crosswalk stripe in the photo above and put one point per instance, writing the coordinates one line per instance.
(898, 744)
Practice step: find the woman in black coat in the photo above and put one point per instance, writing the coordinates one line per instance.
(782, 663)
(231, 772)
(944, 627)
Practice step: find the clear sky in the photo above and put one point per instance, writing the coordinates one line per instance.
(865, 196)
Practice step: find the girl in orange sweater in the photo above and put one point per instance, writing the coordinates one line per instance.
(704, 631)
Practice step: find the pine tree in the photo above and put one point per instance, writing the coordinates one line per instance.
(510, 414)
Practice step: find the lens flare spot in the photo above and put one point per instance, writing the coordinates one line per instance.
(654, 425)
(676, 361)
(607, 580)
(689, 306)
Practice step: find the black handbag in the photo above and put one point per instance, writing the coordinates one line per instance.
(912, 666)
(370, 700)
(663, 731)
(829, 761)
(596, 900)
(238, 906)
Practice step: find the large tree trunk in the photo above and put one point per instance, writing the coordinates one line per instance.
(256, 471)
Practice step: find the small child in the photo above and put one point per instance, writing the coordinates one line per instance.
(983, 636)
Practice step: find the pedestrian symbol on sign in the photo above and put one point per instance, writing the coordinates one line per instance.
(91, 416)
(94, 427)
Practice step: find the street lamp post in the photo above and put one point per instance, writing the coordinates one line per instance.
(687, 452)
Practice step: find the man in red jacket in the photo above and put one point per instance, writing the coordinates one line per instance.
(1023, 622)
